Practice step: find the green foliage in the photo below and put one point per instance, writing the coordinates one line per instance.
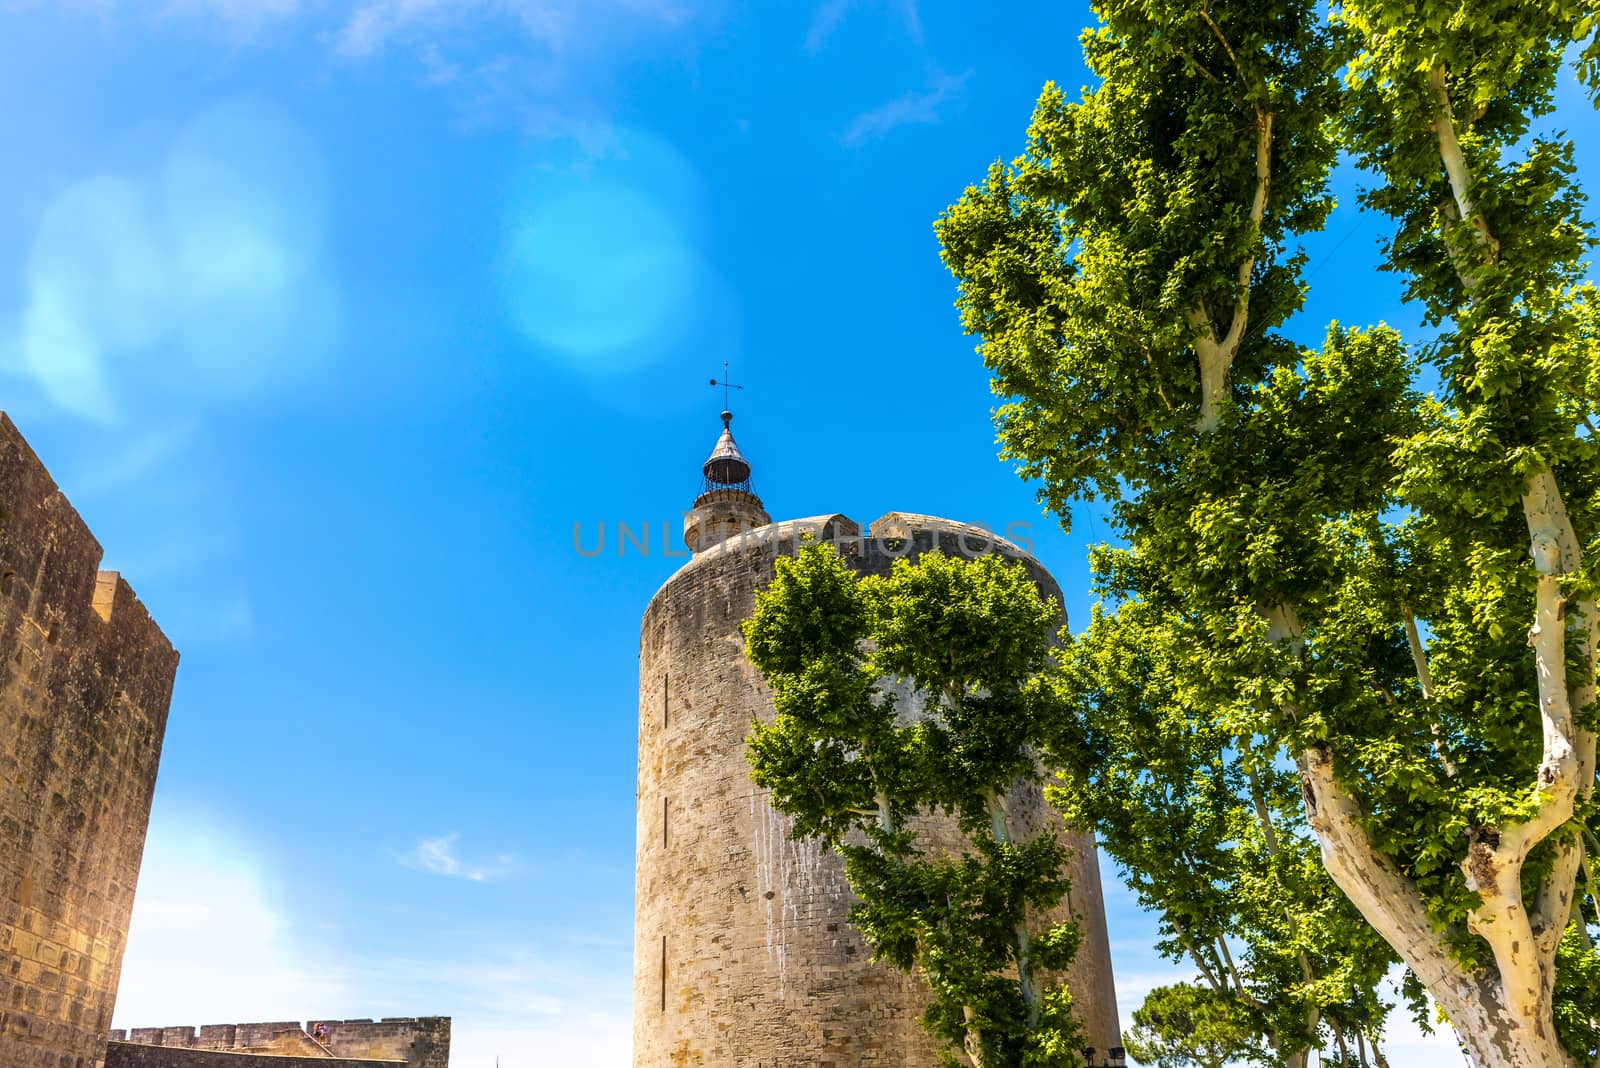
(1190, 1026)
(1083, 263)
(1153, 744)
(1578, 994)
(1331, 561)
(905, 696)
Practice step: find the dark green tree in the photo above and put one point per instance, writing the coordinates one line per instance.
(1191, 1026)
(904, 696)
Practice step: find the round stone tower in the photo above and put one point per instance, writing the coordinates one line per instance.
(743, 953)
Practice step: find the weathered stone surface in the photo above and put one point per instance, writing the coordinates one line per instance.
(85, 679)
(416, 1042)
(132, 1055)
(743, 955)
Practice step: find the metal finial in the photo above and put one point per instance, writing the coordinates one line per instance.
(726, 385)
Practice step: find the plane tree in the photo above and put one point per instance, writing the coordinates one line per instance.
(1379, 554)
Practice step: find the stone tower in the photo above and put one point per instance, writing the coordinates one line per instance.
(743, 956)
(85, 678)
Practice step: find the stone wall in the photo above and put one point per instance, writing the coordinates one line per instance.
(743, 951)
(414, 1041)
(133, 1055)
(85, 679)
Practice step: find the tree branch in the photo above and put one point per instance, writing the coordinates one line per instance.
(1566, 769)
(1205, 13)
(1419, 655)
(1382, 893)
(1455, 167)
(1233, 970)
(1258, 211)
(1216, 357)
(1026, 979)
(1199, 961)
(1419, 658)
(1198, 66)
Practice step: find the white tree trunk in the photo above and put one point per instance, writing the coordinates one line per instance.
(1500, 1024)
(1503, 1015)
(1457, 171)
(1026, 979)
(972, 1043)
(1216, 357)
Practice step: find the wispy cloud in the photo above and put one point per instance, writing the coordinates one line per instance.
(212, 941)
(558, 27)
(134, 459)
(518, 1005)
(437, 856)
(209, 942)
(830, 15)
(250, 12)
(917, 107)
(909, 16)
(548, 66)
(824, 21)
(241, 18)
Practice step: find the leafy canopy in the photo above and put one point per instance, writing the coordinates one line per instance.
(903, 697)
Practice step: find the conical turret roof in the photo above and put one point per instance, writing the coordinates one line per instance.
(726, 466)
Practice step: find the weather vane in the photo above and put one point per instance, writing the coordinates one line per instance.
(725, 384)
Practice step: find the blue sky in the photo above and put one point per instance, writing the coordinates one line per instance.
(335, 319)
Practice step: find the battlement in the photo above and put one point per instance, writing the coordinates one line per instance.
(85, 681)
(412, 1041)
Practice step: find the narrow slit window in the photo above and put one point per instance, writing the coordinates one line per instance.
(663, 823)
(666, 696)
(663, 973)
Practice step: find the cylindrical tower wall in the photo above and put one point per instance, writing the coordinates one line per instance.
(743, 954)
(720, 514)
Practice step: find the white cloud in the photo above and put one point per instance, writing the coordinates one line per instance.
(830, 15)
(241, 17)
(211, 943)
(918, 107)
(1404, 1042)
(546, 66)
(824, 21)
(910, 17)
(529, 1008)
(133, 459)
(250, 12)
(208, 944)
(560, 26)
(437, 856)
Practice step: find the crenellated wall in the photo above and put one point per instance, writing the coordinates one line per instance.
(413, 1041)
(130, 1055)
(85, 680)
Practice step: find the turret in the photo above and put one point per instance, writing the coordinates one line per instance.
(727, 504)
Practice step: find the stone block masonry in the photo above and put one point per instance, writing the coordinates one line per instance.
(396, 1042)
(744, 954)
(131, 1055)
(85, 680)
